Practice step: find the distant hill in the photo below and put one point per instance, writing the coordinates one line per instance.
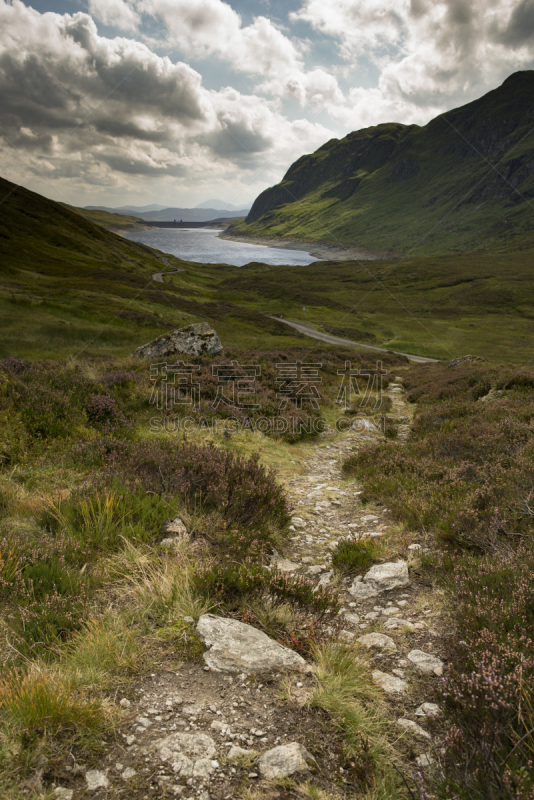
(166, 214)
(464, 180)
(222, 206)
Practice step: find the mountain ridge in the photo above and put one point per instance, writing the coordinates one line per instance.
(450, 182)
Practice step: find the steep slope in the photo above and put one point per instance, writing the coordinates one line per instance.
(461, 181)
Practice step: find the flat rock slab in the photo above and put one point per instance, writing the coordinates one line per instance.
(389, 683)
(377, 641)
(413, 727)
(426, 662)
(362, 591)
(285, 760)
(194, 340)
(96, 780)
(384, 577)
(191, 755)
(233, 646)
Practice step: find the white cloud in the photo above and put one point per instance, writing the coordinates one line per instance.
(89, 110)
(115, 13)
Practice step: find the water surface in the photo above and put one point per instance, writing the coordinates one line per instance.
(204, 245)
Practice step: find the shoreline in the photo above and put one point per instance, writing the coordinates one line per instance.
(320, 250)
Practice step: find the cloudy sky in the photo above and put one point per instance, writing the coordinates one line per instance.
(178, 101)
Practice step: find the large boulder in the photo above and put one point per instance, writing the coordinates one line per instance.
(233, 646)
(195, 340)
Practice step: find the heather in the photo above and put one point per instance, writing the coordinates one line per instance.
(464, 480)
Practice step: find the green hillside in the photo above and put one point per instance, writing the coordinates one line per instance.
(461, 182)
(68, 286)
(107, 219)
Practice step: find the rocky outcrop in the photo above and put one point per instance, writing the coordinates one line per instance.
(233, 646)
(458, 362)
(194, 340)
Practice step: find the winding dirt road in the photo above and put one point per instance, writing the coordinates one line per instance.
(308, 330)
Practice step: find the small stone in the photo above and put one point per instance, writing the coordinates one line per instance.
(414, 547)
(285, 760)
(426, 662)
(315, 570)
(424, 760)
(395, 623)
(371, 615)
(189, 620)
(377, 641)
(413, 727)
(96, 780)
(128, 773)
(62, 793)
(125, 703)
(353, 619)
(298, 522)
(427, 710)
(361, 590)
(389, 683)
(130, 740)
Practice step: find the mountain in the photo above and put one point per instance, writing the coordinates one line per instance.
(222, 206)
(185, 214)
(460, 182)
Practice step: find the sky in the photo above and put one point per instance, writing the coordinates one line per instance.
(131, 102)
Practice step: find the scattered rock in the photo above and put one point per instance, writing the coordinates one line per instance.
(284, 565)
(298, 522)
(194, 340)
(389, 683)
(236, 647)
(125, 703)
(362, 591)
(96, 780)
(457, 362)
(285, 760)
(377, 641)
(384, 577)
(426, 662)
(413, 727)
(353, 619)
(427, 710)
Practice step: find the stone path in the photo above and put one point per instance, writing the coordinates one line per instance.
(197, 733)
(394, 624)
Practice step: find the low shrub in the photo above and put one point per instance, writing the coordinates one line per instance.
(235, 585)
(353, 556)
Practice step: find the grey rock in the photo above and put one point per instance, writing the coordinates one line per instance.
(190, 754)
(353, 619)
(384, 577)
(362, 591)
(177, 527)
(62, 793)
(324, 580)
(284, 565)
(233, 646)
(389, 683)
(298, 522)
(426, 662)
(457, 362)
(424, 760)
(413, 727)
(96, 780)
(194, 340)
(128, 773)
(395, 623)
(377, 641)
(285, 760)
(427, 710)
